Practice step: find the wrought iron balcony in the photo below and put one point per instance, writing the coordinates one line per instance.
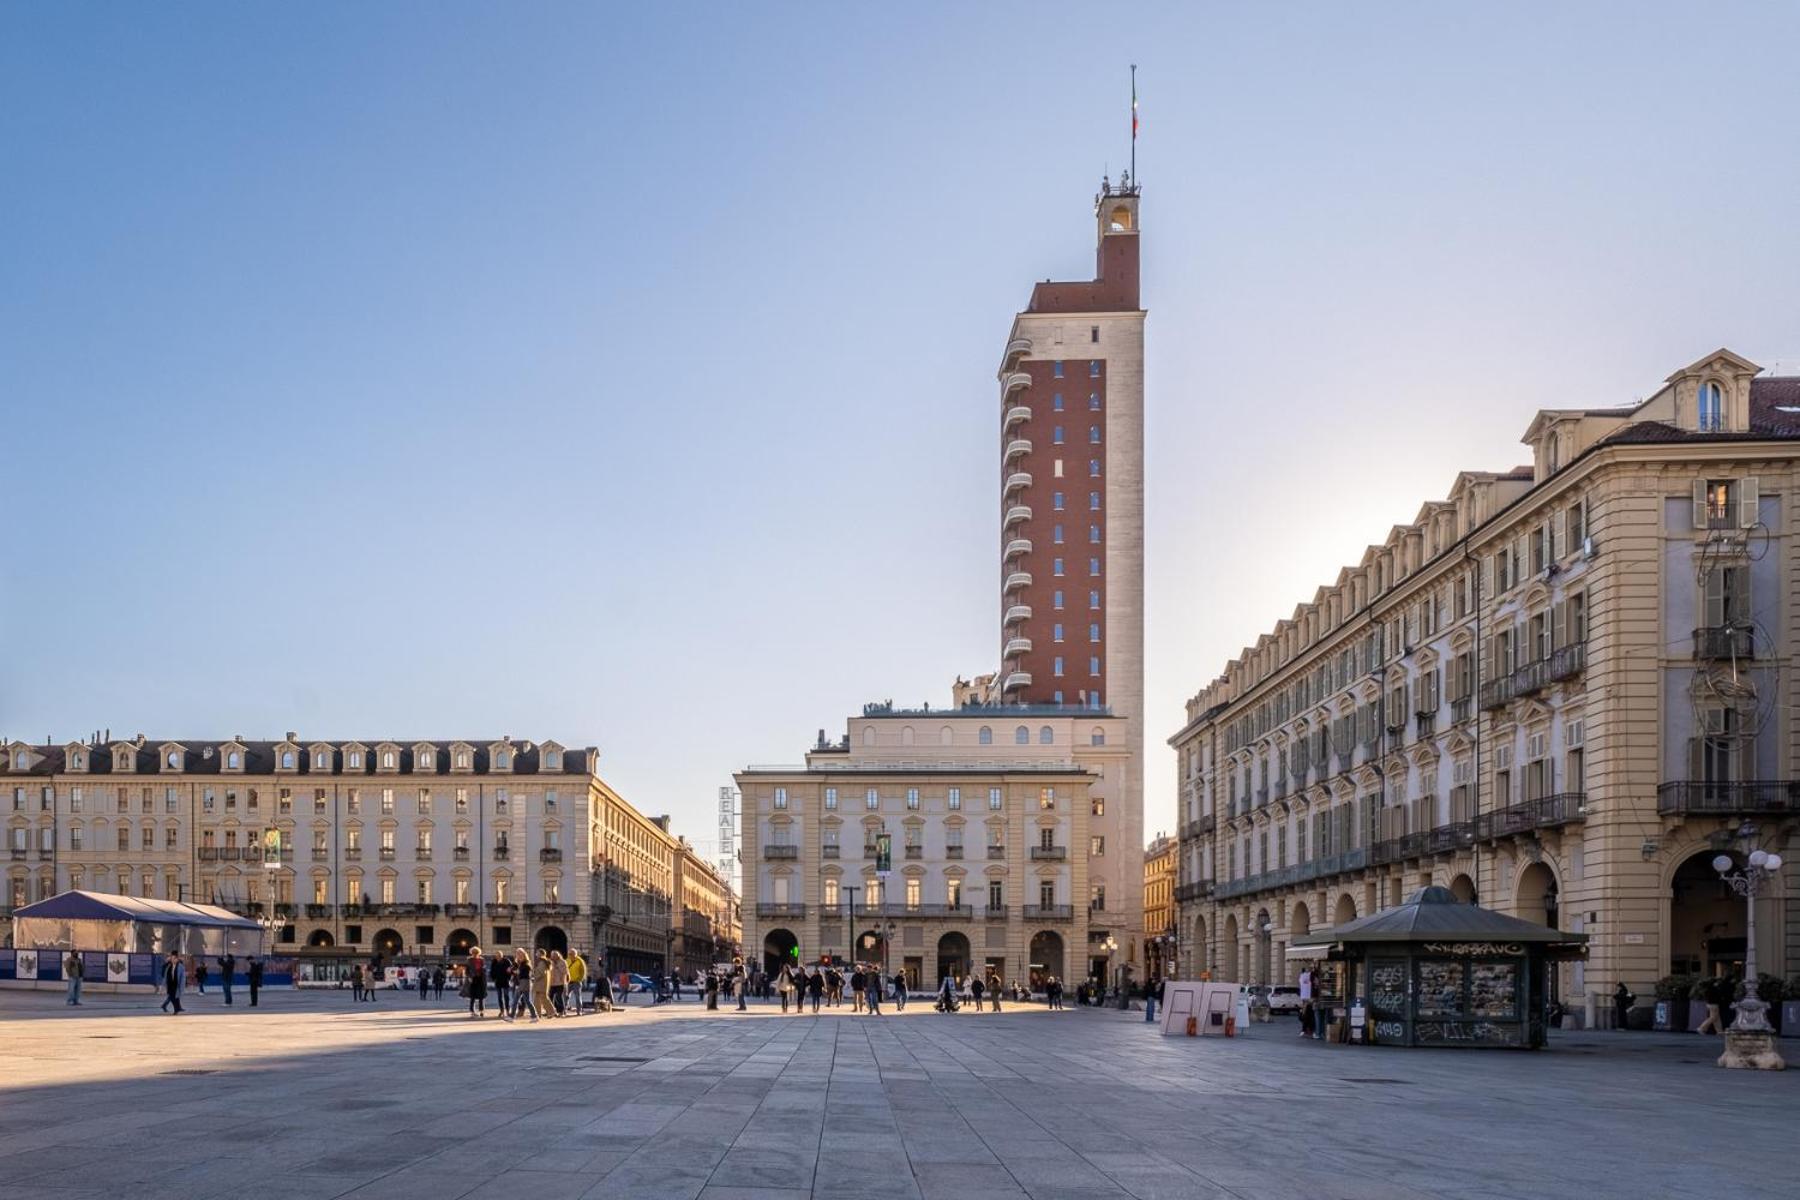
(422, 853)
(870, 849)
(1566, 662)
(915, 852)
(552, 912)
(828, 850)
(780, 851)
(953, 851)
(996, 851)
(1049, 853)
(353, 853)
(387, 854)
(550, 854)
(935, 910)
(1497, 693)
(994, 912)
(1049, 912)
(794, 911)
(209, 853)
(460, 854)
(1188, 891)
(502, 853)
(318, 912)
(502, 910)
(1699, 797)
(462, 910)
(1725, 642)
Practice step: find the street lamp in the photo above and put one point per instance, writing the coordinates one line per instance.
(1112, 946)
(1750, 1041)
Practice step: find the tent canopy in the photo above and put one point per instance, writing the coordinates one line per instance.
(1434, 914)
(97, 906)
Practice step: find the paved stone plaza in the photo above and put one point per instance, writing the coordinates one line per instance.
(315, 1097)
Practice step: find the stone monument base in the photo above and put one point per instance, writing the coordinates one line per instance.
(1751, 1051)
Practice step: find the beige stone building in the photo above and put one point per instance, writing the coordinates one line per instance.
(1562, 691)
(707, 922)
(388, 847)
(988, 815)
(1159, 934)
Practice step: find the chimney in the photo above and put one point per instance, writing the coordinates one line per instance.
(292, 736)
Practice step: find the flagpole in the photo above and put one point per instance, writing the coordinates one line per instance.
(1134, 124)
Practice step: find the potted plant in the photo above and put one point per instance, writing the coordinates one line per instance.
(1671, 1002)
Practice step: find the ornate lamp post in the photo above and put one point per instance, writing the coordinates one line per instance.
(1750, 1041)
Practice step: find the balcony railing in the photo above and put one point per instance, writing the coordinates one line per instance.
(1018, 481)
(996, 851)
(1016, 515)
(953, 851)
(462, 910)
(1049, 853)
(502, 910)
(994, 912)
(1012, 382)
(353, 853)
(1699, 797)
(828, 850)
(460, 853)
(1018, 414)
(318, 912)
(795, 911)
(1566, 662)
(870, 849)
(936, 910)
(915, 852)
(1188, 891)
(387, 853)
(1497, 693)
(1725, 641)
(551, 912)
(502, 853)
(422, 853)
(209, 853)
(1049, 912)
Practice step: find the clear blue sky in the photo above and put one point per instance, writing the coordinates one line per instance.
(625, 376)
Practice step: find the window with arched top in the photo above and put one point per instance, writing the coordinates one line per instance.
(1046, 736)
(287, 760)
(387, 758)
(1098, 737)
(945, 736)
(868, 735)
(234, 759)
(906, 736)
(1712, 406)
(986, 737)
(1022, 736)
(1119, 220)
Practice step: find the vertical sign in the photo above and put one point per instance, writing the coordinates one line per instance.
(727, 830)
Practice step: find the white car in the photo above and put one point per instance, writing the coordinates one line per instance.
(1281, 998)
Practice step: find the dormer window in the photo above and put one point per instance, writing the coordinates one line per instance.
(553, 760)
(321, 760)
(1712, 407)
(1550, 455)
(234, 760)
(354, 760)
(387, 760)
(287, 760)
(462, 760)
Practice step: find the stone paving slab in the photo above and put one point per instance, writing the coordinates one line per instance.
(314, 1098)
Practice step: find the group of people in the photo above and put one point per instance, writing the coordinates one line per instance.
(543, 986)
(174, 979)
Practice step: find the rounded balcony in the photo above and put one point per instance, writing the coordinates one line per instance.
(1018, 514)
(1018, 414)
(1016, 349)
(1017, 547)
(1018, 581)
(1016, 381)
(1016, 646)
(1017, 613)
(1018, 481)
(1016, 680)
(1017, 448)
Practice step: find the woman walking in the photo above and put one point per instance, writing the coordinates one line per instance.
(815, 986)
(540, 985)
(559, 983)
(523, 985)
(500, 975)
(477, 985)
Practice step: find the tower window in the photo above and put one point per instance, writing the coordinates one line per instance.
(1094, 334)
(1056, 501)
(1093, 501)
(1094, 534)
(1093, 566)
(1056, 534)
(1056, 632)
(1056, 403)
(1056, 370)
(1056, 566)
(1094, 666)
(1056, 599)
(1056, 435)
(1093, 401)
(1094, 369)
(1056, 667)
(1093, 435)
(1093, 468)
(1712, 407)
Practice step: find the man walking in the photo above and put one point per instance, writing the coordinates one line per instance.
(256, 973)
(993, 989)
(1622, 999)
(577, 982)
(900, 990)
(857, 979)
(174, 979)
(72, 973)
(872, 984)
(227, 965)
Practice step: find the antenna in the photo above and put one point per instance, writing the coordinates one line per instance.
(1134, 123)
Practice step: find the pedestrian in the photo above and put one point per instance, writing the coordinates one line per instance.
(676, 986)
(1710, 995)
(256, 978)
(856, 990)
(540, 985)
(500, 979)
(476, 987)
(1152, 994)
(975, 990)
(1622, 999)
(815, 987)
(900, 990)
(784, 986)
(437, 982)
(72, 972)
(946, 997)
(577, 981)
(559, 984)
(740, 984)
(424, 984)
(711, 990)
(1053, 993)
(872, 985)
(993, 990)
(227, 967)
(603, 989)
(356, 982)
(200, 976)
(1307, 1019)
(174, 979)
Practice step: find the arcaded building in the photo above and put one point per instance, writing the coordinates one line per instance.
(1561, 691)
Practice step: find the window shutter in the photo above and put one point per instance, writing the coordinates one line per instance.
(1559, 537)
(1694, 768)
(1746, 764)
(1749, 499)
(1715, 598)
(1487, 576)
(1559, 624)
(1699, 516)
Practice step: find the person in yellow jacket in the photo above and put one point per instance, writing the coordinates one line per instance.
(577, 982)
